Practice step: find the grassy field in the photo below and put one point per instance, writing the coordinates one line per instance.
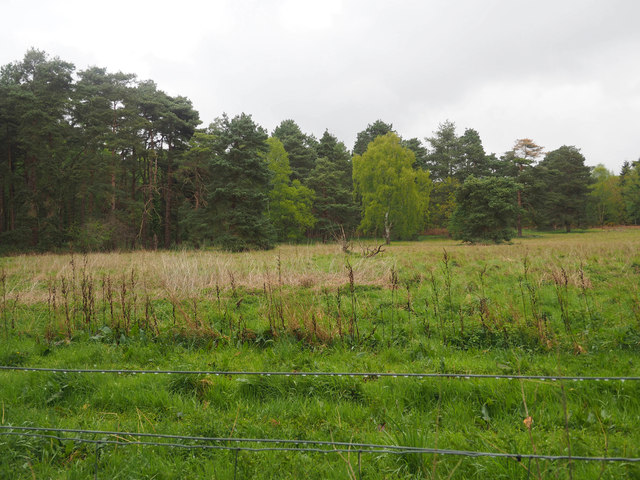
(548, 304)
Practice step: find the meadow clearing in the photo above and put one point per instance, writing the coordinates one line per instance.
(547, 304)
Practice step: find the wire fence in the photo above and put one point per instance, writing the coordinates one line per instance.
(369, 375)
(238, 445)
(287, 445)
(322, 446)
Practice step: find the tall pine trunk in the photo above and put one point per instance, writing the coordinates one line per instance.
(113, 191)
(2, 212)
(114, 127)
(167, 199)
(31, 178)
(519, 219)
(11, 201)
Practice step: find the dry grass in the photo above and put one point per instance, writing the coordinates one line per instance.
(187, 274)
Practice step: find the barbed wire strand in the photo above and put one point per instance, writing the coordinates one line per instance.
(369, 375)
(186, 437)
(381, 449)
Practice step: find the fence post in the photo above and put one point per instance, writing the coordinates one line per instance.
(235, 466)
(95, 476)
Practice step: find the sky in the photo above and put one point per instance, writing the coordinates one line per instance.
(561, 72)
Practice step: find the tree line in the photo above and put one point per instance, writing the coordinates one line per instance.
(97, 160)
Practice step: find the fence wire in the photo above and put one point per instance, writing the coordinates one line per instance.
(368, 375)
(290, 445)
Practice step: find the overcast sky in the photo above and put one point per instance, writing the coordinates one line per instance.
(562, 72)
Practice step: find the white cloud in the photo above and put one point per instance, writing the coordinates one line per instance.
(559, 72)
(302, 16)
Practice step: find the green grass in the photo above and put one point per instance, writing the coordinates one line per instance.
(545, 305)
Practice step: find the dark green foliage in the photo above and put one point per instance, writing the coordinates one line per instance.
(630, 191)
(451, 159)
(559, 196)
(168, 123)
(519, 166)
(300, 147)
(194, 174)
(104, 110)
(453, 156)
(486, 210)
(444, 153)
(506, 166)
(419, 150)
(36, 155)
(369, 134)
(236, 210)
(88, 163)
(331, 179)
(473, 160)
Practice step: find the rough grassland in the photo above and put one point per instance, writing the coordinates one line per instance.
(550, 304)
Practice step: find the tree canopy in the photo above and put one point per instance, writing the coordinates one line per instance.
(562, 190)
(486, 210)
(369, 134)
(331, 179)
(289, 201)
(630, 191)
(237, 199)
(606, 204)
(301, 148)
(394, 195)
(97, 160)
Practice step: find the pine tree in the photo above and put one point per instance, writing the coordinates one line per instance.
(562, 191)
(36, 154)
(331, 180)
(238, 193)
(486, 210)
(369, 134)
(300, 148)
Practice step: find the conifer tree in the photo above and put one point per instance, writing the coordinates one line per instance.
(331, 180)
(301, 149)
(369, 134)
(486, 210)
(560, 199)
(237, 198)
